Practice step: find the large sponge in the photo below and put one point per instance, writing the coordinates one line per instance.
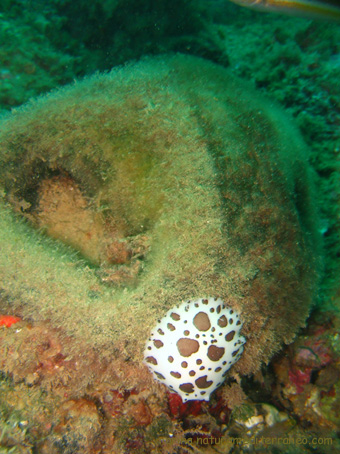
(200, 186)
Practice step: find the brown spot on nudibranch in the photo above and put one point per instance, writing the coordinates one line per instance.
(187, 347)
(215, 353)
(222, 321)
(202, 382)
(187, 387)
(171, 327)
(152, 360)
(158, 343)
(176, 374)
(160, 376)
(170, 359)
(175, 316)
(201, 321)
(230, 336)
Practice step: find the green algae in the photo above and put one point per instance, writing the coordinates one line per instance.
(175, 149)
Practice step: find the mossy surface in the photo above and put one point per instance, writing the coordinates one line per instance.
(177, 150)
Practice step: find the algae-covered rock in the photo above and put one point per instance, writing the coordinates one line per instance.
(192, 187)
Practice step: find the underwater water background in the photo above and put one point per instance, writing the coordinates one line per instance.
(47, 44)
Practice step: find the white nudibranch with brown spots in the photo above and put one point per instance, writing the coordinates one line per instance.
(194, 345)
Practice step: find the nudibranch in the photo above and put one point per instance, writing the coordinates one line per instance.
(194, 345)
